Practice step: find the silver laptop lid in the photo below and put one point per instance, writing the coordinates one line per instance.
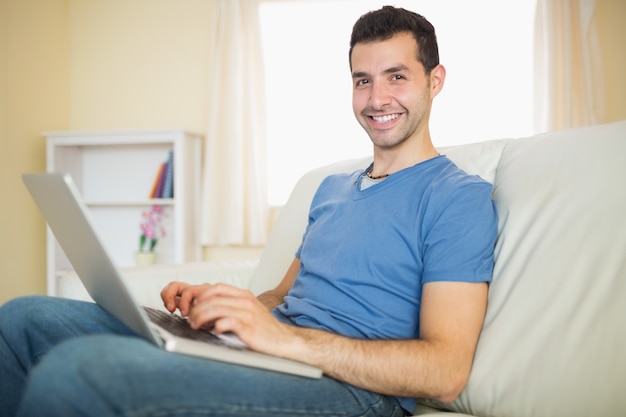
(63, 208)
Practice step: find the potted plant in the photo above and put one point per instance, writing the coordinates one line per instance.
(151, 230)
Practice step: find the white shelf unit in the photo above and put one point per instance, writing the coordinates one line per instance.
(115, 172)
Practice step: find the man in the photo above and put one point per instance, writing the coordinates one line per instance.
(387, 292)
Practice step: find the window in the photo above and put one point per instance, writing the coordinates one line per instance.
(485, 45)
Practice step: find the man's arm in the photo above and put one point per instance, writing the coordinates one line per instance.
(437, 365)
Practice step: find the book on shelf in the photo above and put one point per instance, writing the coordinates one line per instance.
(163, 184)
(168, 184)
(154, 191)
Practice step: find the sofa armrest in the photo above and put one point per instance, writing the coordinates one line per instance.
(145, 283)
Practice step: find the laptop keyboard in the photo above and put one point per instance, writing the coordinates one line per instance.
(178, 326)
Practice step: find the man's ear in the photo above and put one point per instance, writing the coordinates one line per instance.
(437, 79)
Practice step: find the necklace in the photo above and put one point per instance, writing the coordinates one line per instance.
(369, 175)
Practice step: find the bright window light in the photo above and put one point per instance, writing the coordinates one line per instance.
(485, 45)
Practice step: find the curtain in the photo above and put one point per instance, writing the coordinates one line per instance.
(569, 86)
(234, 199)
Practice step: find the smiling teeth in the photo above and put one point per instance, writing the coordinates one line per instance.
(385, 118)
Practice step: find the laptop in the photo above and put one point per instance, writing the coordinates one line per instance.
(64, 210)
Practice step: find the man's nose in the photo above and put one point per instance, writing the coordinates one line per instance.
(379, 96)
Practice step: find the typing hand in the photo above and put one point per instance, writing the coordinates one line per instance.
(226, 309)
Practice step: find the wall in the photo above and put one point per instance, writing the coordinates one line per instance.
(609, 17)
(72, 64)
(139, 64)
(117, 64)
(34, 95)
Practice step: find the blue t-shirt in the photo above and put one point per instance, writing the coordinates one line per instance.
(367, 252)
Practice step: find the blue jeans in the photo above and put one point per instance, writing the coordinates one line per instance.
(66, 358)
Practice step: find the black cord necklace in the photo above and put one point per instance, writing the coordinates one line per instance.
(369, 175)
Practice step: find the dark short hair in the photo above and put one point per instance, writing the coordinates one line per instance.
(382, 24)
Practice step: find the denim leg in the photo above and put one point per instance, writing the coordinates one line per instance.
(107, 375)
(31, 326)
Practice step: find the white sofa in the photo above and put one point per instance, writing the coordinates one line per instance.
(554, 338)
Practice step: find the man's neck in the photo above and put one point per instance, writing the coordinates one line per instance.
(389, 161)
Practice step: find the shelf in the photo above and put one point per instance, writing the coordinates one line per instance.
(115, 172)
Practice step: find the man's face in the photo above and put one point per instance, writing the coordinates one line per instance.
(391, 97)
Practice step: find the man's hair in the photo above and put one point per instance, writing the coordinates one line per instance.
(382, 24)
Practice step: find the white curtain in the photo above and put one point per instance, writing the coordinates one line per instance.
(569, 86)
(234, 200)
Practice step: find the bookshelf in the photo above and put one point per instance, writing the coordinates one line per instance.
(115, 172)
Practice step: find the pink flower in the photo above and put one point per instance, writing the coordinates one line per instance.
(151, 228)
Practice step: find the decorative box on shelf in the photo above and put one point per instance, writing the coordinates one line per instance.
(117, 173)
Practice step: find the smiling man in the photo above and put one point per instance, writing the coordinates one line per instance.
(392, 98)
(386, 294)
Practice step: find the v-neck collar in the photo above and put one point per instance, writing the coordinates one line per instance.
(389, 181)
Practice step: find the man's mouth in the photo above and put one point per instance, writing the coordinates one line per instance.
(385, 118)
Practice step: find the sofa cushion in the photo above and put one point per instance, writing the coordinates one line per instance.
(554, 338)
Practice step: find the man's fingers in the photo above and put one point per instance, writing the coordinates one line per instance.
(181, 295)
(170, 293)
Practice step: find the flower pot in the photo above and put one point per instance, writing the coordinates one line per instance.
(145, 258)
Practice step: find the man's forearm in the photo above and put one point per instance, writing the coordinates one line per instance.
(408, 368)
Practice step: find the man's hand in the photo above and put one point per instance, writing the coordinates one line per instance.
(224, 308)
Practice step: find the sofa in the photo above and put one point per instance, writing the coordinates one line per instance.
(554, 337)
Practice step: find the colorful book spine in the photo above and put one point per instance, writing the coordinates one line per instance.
(163, 184)
(168, 185)
(159, 190)
(158, 181)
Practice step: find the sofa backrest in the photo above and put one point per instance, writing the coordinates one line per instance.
(554, 338)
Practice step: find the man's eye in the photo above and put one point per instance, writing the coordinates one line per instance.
(360, 83)
(397, 77)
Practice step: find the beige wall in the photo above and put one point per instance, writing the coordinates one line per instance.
(610, 17)
(73, 64)
(139, 64)
(34, 95)
(117, 64)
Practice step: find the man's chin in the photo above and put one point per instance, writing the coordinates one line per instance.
(387, 143)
